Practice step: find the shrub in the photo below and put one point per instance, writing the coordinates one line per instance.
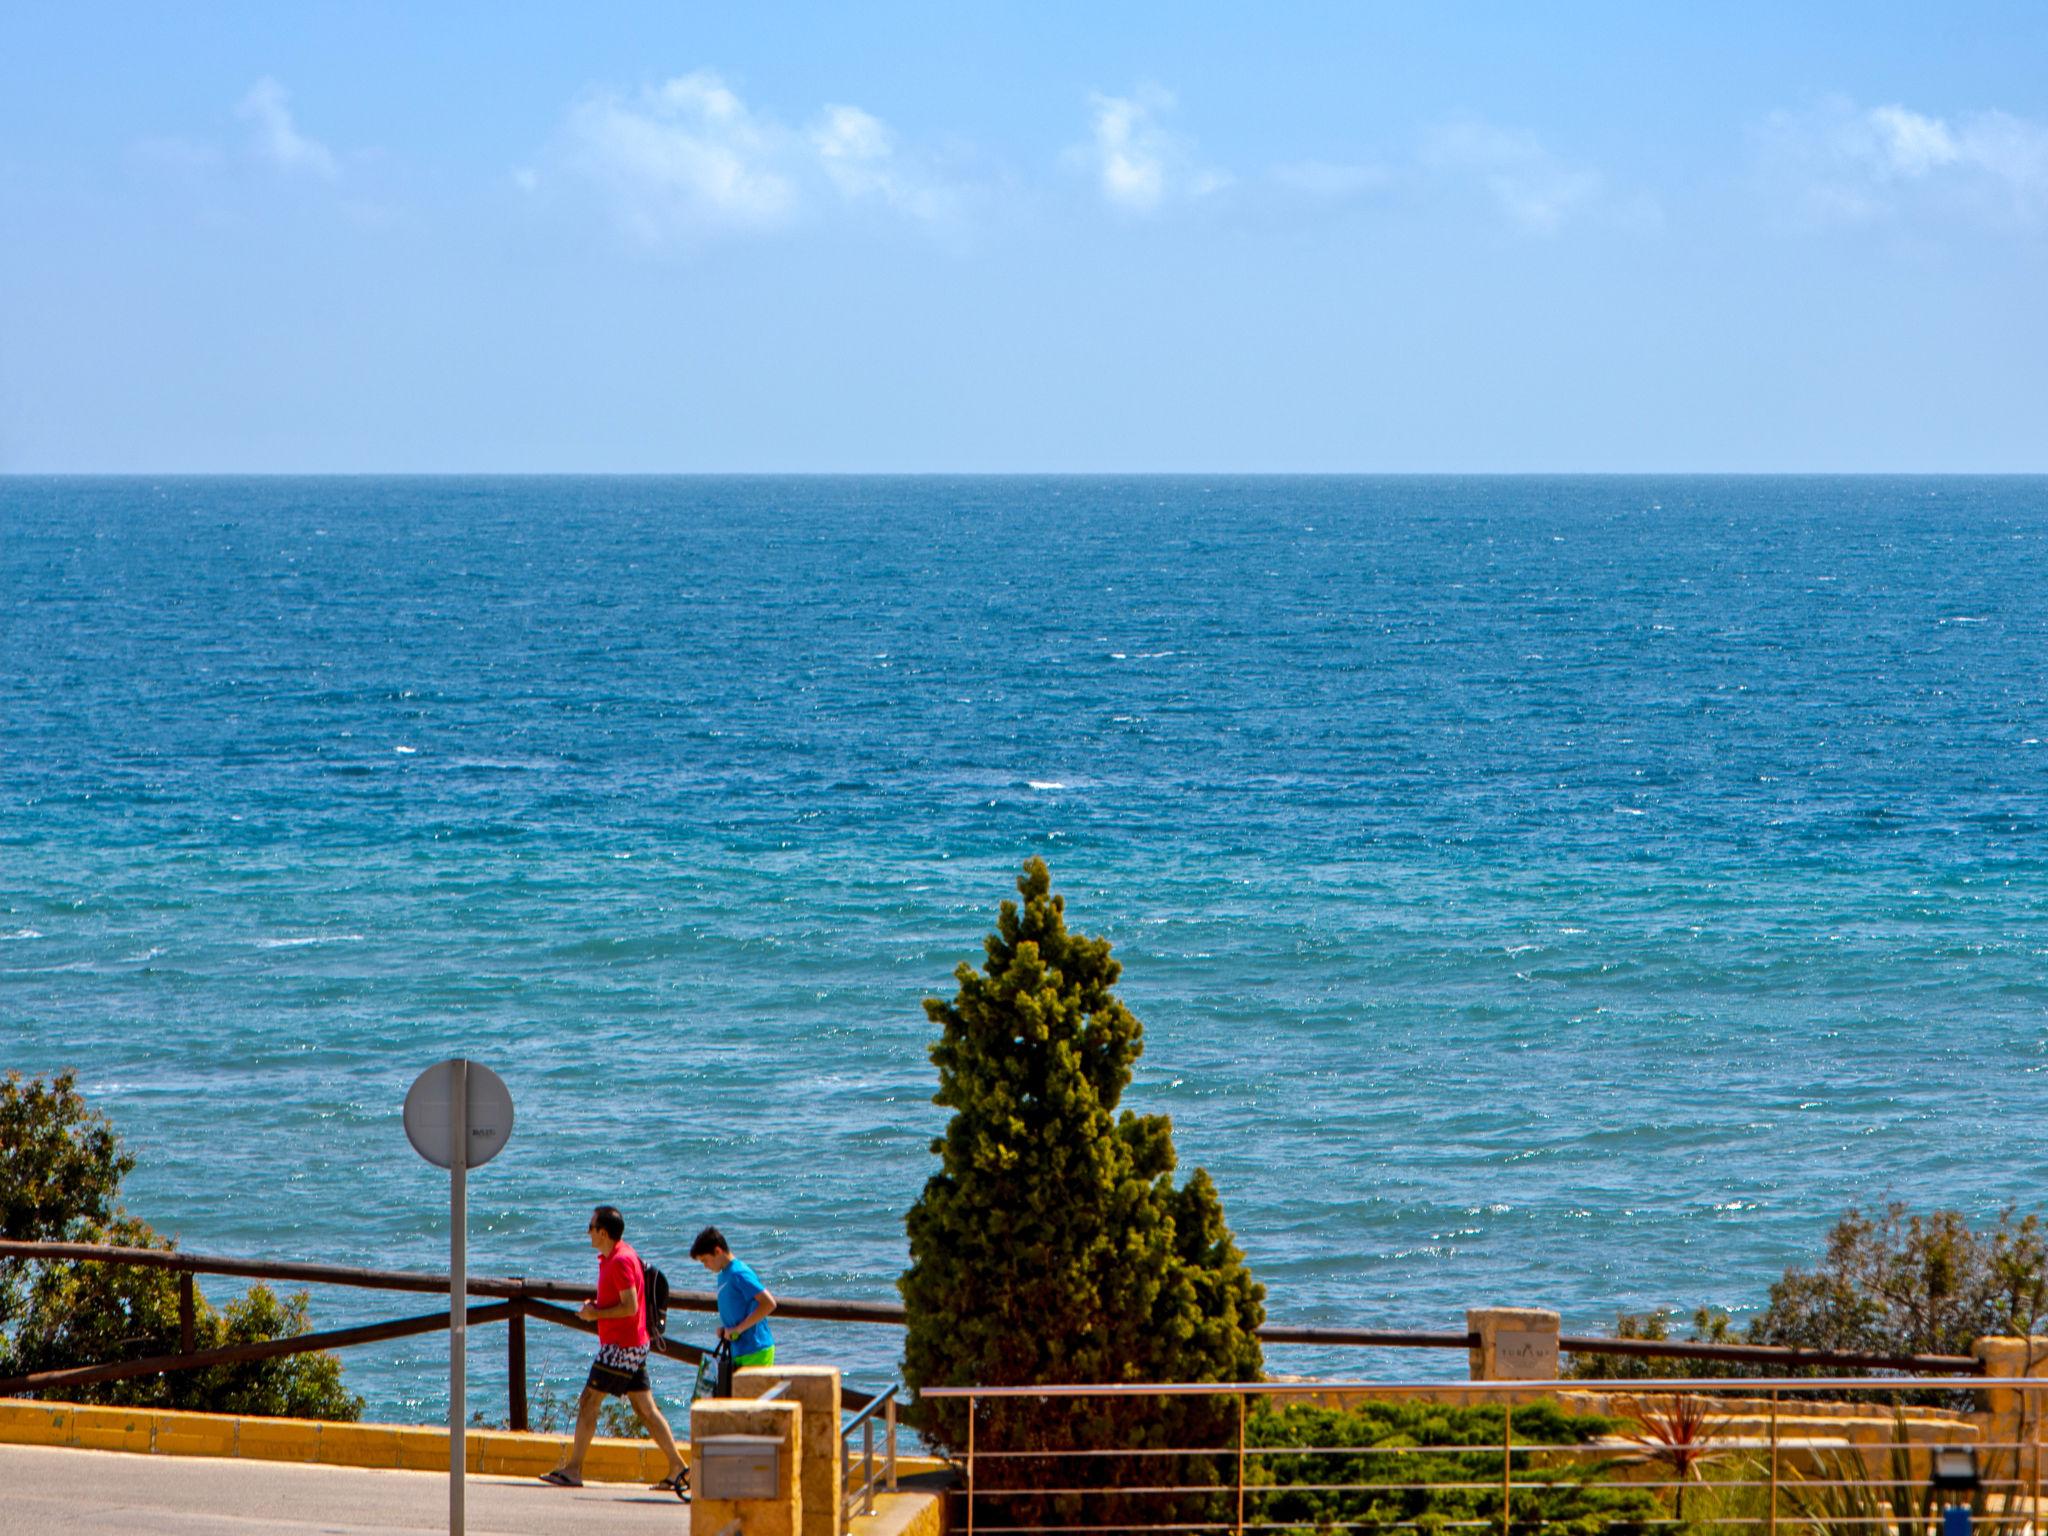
(1427, 1490)
(60, 1174)
(1710, 1325)
(1052, 1246)
(1892, 1283)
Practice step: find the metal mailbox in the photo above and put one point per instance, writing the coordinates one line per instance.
(740, 1466)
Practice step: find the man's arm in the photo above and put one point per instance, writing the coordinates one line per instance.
(763, 1305)
(627, 1304)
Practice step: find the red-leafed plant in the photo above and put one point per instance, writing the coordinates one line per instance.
(1682, 1434)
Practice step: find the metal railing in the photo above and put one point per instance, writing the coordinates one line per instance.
(862, 1476)
(522, 1298)
(527, 1292)
(1781, 1461)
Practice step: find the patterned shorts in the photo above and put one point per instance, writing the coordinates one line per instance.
(620, 1370)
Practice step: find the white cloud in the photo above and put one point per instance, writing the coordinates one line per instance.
(689, 158)
(1138, 164)
(858, 154)
(267, 108)
(1535, 189)
(683, 156)
(1861, 163)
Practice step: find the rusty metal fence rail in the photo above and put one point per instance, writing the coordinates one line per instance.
(1765, 1456)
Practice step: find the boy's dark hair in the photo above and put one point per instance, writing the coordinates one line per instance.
(609, 1220)
(710, 1240)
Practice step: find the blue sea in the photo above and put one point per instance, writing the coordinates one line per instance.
(1551, 891)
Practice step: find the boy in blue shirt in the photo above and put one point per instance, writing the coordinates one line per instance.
(743, 1301)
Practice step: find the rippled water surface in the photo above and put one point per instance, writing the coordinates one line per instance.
(1553, 892)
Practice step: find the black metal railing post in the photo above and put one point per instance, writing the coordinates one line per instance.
(515, 1365)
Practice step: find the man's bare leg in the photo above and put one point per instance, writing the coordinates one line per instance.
(586, 1427)
(657, 1426)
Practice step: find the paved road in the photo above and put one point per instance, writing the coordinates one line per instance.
(45, 1491)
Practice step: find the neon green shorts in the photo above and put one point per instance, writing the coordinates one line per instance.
(758, 1357)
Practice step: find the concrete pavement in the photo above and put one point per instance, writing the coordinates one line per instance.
(49, 1491)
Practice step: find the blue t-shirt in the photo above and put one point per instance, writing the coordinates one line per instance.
(738, 1289)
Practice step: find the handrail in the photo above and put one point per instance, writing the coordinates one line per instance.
(839, 1310)
(874, 1406)
(241, 1354)
(1700, 1384)
(1232, 1487)
(1765, 1354)
(511, 1288)
(864, 1421)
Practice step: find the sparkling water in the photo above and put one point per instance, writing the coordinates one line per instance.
(1562, 892)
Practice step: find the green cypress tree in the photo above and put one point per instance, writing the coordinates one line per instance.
(1052, 1245)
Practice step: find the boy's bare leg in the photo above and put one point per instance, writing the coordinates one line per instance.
(657, 1426)
(586, 1427)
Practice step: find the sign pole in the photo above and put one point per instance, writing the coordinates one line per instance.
(458, 1292)
(458, 1116)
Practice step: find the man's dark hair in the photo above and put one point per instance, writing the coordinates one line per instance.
(710, 1240)
(609, 1220)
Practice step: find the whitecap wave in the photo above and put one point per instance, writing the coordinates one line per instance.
(307, 940)
(1046, 783)
(22, 933)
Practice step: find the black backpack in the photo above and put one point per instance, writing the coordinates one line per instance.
(654, 1301)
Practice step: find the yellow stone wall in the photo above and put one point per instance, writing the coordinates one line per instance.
(165, 1433)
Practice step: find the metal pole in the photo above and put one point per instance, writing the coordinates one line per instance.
(515, 1364)
(889, 1416)
(867, 1456)
(970, 1467)
(1239, 1527)
(188, 1305)
(1507, 1467)
(1772, 1526)
(2034, 1479)
(458, 1293)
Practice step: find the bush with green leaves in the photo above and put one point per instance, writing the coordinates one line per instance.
(61, 1167)
(1053, 1246)
(1336, 1481)
(1889, 1283)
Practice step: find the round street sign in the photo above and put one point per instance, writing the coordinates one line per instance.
(430, 1114)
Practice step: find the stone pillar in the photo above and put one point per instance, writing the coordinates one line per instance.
(815, 1388)
(2008, 1415)
(780, 1515)
(1514, 1343)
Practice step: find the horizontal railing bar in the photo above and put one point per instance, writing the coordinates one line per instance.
(1489, 1485)
(675, 1349)
(802, 1308)
(837, 1310)
(237, 1354)
(1767, 1354)
(1377, 1338)
(1703, 1386)
(1474, 1524)
(1633, 1454)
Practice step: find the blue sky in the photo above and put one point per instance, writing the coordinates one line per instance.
(1033, 237)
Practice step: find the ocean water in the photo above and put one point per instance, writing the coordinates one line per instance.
(1566, 892)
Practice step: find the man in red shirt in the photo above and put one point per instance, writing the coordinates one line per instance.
(621, 1366)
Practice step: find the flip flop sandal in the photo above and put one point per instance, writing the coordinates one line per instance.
(678, 1484)
(560, 1479)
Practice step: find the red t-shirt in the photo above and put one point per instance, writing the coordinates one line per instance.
(617, 1272)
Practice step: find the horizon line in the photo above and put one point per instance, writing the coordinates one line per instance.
(1020, 474)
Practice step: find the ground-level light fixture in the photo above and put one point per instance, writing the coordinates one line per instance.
(1955, 1469)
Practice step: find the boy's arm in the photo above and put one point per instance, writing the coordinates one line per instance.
(627, 1304)
(764, 1303)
